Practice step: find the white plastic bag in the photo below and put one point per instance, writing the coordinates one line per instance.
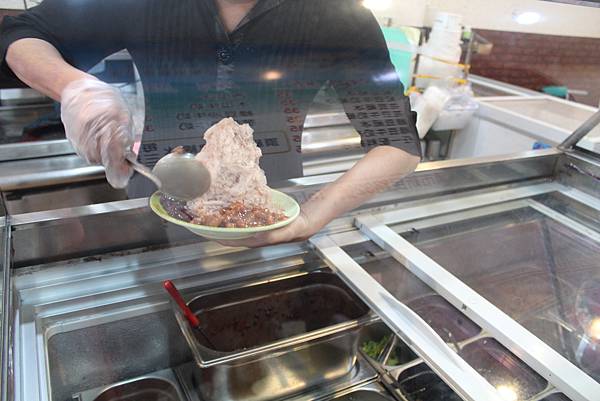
(428, 107)
(458, 111)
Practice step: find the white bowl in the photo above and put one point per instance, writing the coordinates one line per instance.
(283, 202)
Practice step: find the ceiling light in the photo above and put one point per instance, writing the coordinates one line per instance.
(527, 17)
(272, 75)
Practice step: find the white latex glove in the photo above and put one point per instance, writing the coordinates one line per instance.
(99, 125)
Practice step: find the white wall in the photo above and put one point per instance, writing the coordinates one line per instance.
(404, 12)
(557, 19)
(12, 4)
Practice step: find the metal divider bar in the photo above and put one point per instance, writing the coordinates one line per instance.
(77, 212)
(580, 196)
(564, 220)
(460, 216)
(542, 358)
(407, 325)
(465, 202)
(356, 237)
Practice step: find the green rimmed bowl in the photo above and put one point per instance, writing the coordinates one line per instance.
(283, 202)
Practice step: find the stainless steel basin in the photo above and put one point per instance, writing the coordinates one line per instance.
(160, 386)
(364, 395)
(100, 355)
(556, 397)
(420, 383)
(503, 369)
(275, 338)
(148, 389)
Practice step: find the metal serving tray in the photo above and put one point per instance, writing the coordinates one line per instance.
(420, 383)
(159, 386)
(447, 321)
(274, 338)
(371, 392)
(400, 351)
(556, 397)
(503, 369)
(417, 381)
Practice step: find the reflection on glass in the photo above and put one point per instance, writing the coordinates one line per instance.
(272, 75)
(512, 377)
(445, 319)
(507, 392)
(594, 329)
(588, 309)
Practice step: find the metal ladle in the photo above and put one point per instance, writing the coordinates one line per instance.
(177, 174)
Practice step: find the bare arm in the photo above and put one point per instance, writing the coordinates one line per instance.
(377, 171)
(374, 173)
(96, 119)
(39, 64)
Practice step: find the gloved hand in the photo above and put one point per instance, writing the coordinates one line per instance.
(99, 125)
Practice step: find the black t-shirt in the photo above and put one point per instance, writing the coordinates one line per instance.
(266, 72)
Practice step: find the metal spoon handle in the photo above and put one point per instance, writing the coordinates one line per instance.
(143, 170)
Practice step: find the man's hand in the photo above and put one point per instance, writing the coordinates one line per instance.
(96, 118)
(300, 229)
(377, 171)
(99, 125)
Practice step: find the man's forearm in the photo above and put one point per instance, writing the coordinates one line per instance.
(38, 64)
(374, 173)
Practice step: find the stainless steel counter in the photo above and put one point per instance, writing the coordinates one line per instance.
(450, 247)
(482, 271)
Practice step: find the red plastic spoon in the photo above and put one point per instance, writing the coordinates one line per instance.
(174, 293)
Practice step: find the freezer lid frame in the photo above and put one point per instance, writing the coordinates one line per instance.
(547, 362)
(6, 307)
(581, 132)
(438, 179)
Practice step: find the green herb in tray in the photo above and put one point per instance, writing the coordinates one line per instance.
(374, 348)
(397, 357)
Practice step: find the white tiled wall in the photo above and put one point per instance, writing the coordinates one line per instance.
(557, 19)
(12, 4)
(404, 13)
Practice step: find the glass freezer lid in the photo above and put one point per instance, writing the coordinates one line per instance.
(494, 362)
(551, 111)
(540, 272)
(519, 264)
